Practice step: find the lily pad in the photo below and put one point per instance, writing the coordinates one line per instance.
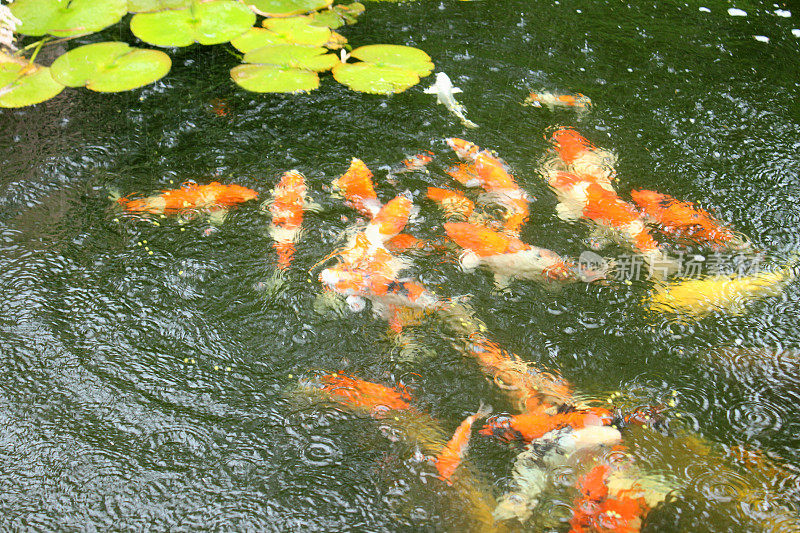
(298, 30)
(66, 18)
(337, 16)
(286, 8)
(274, 79)
(213, 22)
(374, 79)
(150, 6)
(293, 56)
(23, 84)
(110, 67)
(255, 38)
(394, 55)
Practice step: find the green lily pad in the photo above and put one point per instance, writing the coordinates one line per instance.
(274, 79)
(110, 67)
(23, 84)
(66, 18)
(150, 6)
(298, 30)
(213, 22)
(393, 55)
(337, 16)
(255, 38)
(294, 56)
(374, 79)
(286, 8)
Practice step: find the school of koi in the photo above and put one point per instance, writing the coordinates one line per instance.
(369, 267)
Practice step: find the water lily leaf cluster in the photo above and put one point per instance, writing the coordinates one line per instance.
(284, 54)
(213, 22)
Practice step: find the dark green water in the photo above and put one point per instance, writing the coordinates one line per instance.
(107, 426)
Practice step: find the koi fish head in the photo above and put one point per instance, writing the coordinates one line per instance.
(454, 203)
(464, 149)
(483, 241)
(232, 194)
(373, 396)
(356, 186)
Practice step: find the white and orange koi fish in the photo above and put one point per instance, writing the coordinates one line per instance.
(357, 188)
(578, 101)
(490, 173)
(289, 200)
(508, 257)
(576, 154)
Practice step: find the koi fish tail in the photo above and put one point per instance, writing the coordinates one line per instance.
(286, 250)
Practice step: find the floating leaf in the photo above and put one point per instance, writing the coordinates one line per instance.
(110, 67)
(294, 56)
(393, 55)
(212, 22)
(286, 8)
(66, 18)
(337, 16)
(255, 38)
(23, 83)
(374, 79)
(336, 41)
(298, 30)
(149, 6)
(274, 79)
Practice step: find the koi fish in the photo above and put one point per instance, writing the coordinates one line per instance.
(415, 163)
(509, 257)
(696, 298)
(190, 196)
(535, 423)
(597, 509)
(444, 91)
(377, 399)
(581, 198)
(683, 219)
(449, 458)
(357, 189)
(455, 205)
(287, 215)
(390, 220)
(577, 101)
(578, 155)
(492, 175)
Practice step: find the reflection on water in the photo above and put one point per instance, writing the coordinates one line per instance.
(150, 370)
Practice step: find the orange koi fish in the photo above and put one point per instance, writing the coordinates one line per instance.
(287, 215)
(390, 219)
(449, 458)
(577, 101)
(454, 204)
(583, 158)
(357, 189)
(377, 399)
(581, 198)
(416, 163)
(538, 421)
(509, 257)
(190, 196)
(683, 219)
(599, 510)
(492, 175)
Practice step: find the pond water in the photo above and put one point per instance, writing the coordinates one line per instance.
(150, 371)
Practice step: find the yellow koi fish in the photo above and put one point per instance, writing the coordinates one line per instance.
(699, 297)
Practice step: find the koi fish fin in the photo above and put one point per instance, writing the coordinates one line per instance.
(468, 123)
(501, 281)
(217, 217)
(311, 205)
(566, 212)
(469, 261)
(456, 90)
